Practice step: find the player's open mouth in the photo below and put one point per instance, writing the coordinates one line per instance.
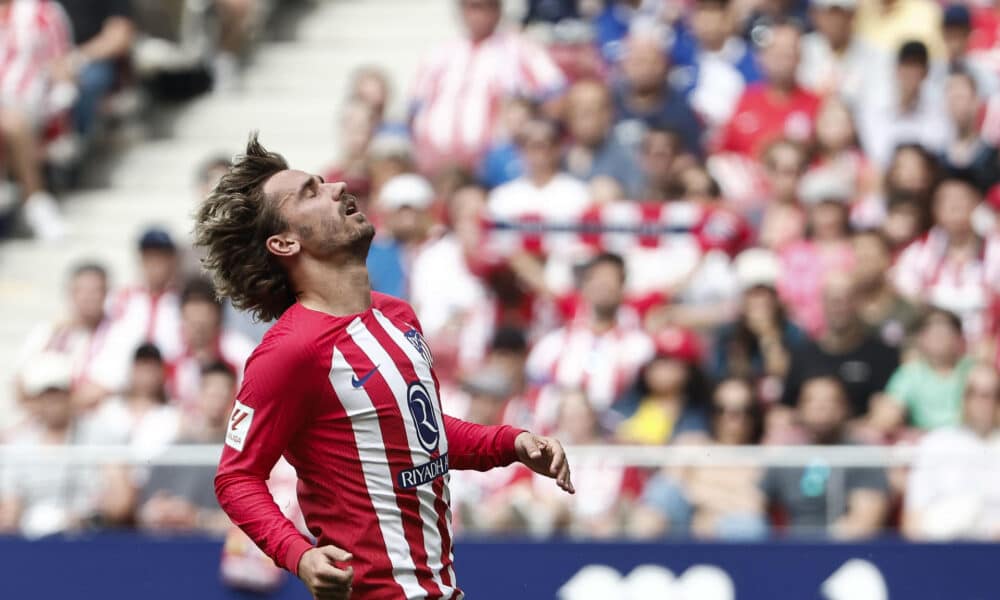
(350, 207)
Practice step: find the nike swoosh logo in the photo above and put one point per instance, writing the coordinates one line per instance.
(357, 383)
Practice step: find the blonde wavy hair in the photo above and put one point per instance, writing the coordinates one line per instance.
(233, 224)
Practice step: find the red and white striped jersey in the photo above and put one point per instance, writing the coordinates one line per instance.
(352, 403)
(33, 33)
(458, 93)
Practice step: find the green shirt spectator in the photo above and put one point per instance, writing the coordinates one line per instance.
(932, 398)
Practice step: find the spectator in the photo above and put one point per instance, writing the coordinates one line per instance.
(147, 312)
(205, 341)
(775, 108)
(643, 96)
(503, 162)
(887, 24)
(887, 315)
(910, 112)
(844, 503)
(956, 28)
(968, 153)
(593, 151)
(600, 350)
(928, 391)
(80, 335)
(953, 491)
(104, 32)
(952, 267)
(834, 60)
(783, 220)
(450, 105)
(713, 502)
(758, 345)
(370, 86)
(31, 98)
(403, 203)
(672, 392)
(357, 128)
(826, 249)
(714, 64)
(659, 162)
(41, 500)
(909, 186)
(236, 20)
(181, 498)
(845, 351)
(142, 416)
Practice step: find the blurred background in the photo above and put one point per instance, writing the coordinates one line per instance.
(742, 256)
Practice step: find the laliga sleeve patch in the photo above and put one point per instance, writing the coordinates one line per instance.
(239, 426)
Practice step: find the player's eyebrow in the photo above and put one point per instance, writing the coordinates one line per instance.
(311, 182)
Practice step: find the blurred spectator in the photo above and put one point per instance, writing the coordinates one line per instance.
(712, 502)
(370, 86)
(147, 312)
(952, 267)
(448, 290)
(607, 487)
(911, 111)
(503, 162)
(783, 220)
(104, 32)
(805, 263)
(671, 390)
(838, 157)
(142, 416)
(711, 63)
(38, 500)
(758, 345)
(834, 60)
(776, 108)
(357, 126)
(886, 24)
(967, 152)
(643, 96)
(658, 161)
(845, 351)
(550, 11)
(593, 151)
(954, 487)
(887, 314)
(31, 99)
(600, 350)
(909, 185)
(451, 107)
(403, 205)
(845, 503)
(928, 390)
(208, 174)
(181, 497)
(956, 27)
(236, 20)
(205, 341)
(80, 335)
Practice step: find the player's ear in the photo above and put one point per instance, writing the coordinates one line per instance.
(283, 245)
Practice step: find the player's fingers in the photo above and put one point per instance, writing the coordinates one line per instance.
(331, 575)
(564, 480)
(334, 553)
(558, 458)
(535, 448)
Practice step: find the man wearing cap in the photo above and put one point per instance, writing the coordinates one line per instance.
(956, 27)
(402, 204)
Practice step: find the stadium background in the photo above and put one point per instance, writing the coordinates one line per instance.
(678, 497)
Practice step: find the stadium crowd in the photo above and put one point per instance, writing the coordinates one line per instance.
(708, 223)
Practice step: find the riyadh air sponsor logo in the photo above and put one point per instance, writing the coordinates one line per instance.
(417, 341)
(421, 474)
(239, 426)
(856, 579)
(422, 411)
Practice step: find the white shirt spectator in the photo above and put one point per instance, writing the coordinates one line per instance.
(720, 84)
(80, 345)
(954, 486)
(925, 273)
(458, 92)
(883, 125)
(849, 74)
(147, 433)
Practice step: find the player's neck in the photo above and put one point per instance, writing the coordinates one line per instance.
(338, 290)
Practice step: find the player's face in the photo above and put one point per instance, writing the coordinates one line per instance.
(323, 219)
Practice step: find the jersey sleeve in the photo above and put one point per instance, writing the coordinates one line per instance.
(479, 447)
(270, 410)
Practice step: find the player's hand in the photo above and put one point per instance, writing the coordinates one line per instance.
(324, 579)
(545, 456)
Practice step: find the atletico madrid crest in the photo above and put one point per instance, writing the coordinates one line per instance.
(413, 336)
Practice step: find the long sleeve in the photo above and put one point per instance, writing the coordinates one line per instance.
(479, 447)
(270, 410)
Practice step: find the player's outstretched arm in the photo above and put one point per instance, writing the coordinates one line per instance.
(545, 456)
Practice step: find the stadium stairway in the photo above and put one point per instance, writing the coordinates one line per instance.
(293, 89)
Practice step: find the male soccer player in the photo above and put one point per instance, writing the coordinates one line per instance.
(343, 387)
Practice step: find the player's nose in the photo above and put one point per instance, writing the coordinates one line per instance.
(338, 190)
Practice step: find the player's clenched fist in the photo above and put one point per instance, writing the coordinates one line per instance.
(324, 579)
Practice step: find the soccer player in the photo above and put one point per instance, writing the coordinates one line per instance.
(343, 387)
